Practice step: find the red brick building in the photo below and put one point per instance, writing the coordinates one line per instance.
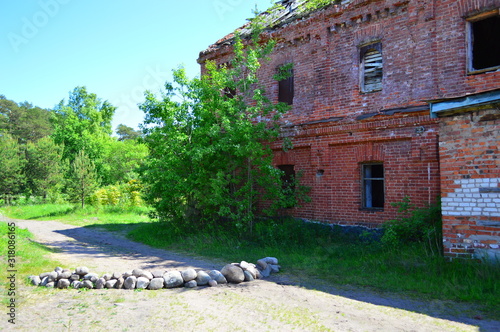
(366, 74)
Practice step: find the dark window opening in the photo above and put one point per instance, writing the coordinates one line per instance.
(288, 178)
(485, 43)
(373, 186)
(229, 92)
(371, 68)
(286, 89)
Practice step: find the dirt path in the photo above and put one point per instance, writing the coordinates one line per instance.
(274, 304)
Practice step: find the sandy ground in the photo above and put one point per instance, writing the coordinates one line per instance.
(279, 303)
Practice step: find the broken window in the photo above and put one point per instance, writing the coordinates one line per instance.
(484, 41)
(285, 84)
(371, 68)
(288, 178)
(373, 186)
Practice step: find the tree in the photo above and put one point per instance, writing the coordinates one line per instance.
(127, 133)
(82, 123)
(12, 162)
(83, 179)
(44, 167)
(208, 157)
(24, 121)
(121, 160)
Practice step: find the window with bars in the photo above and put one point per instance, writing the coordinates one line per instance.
(373, 186)
(371, 68)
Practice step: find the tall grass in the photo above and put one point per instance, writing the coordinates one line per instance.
(311, 250)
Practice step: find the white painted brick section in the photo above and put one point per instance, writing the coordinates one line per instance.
(467, 201)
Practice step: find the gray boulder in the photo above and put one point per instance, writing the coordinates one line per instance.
(74, 276)
(116, 275)
(119, 283)
(212, 283)
(99, 284)
(58, 269)
(75, 284)
(107, 276)
(110, 283)
(91, 276)
(234, 274)
(158, 274)
(82, 270)
(202, 278)
(191, 284)
(45, 281)
(142, 283)
(63, 283)
(156, 283)
(217, 276)
(50, 284)
(188, 275)
(65, 274)
(248, 276)
(53, 276)
(87, 284)
(130, 282)
(35, 280)
(173, 279)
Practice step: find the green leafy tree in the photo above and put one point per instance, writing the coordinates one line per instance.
(127, 133)
(121, 160)
(24, 121)
(208, 157)
(83, 180)
(83, 123)
(45, 167)
(12, 162)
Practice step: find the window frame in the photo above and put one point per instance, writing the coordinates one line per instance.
(364, 191)
(286, 84)
(363, 51)
(470, 41)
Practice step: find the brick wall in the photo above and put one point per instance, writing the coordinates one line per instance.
(336, 128)
(470, 178)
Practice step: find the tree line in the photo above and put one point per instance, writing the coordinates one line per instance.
(67, 152)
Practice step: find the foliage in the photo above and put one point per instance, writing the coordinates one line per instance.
(12, 162)
(127, 133)
(44, 167)
(83, 180)
(121, 160)
(415, 224)
(208, 160)
(83, 123)
(24, 121)
(127, 194)
(312, 5)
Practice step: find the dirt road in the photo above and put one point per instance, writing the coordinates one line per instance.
(279, 303)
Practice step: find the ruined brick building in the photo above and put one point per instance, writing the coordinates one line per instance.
(391, 98)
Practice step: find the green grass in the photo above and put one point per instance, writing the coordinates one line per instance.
(305, 250)
(29, 256)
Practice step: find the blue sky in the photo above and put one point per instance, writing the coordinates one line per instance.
(117, 49)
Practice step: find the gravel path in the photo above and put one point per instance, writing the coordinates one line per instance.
(279, 303)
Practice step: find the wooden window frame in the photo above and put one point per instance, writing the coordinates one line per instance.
(370, 50)
(470, 41)
(367, 187)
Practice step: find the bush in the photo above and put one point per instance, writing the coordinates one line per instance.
(415, 225)
(127, 194)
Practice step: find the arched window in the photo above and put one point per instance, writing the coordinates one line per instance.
(371, 68)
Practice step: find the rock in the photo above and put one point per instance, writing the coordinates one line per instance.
(50, 284)
(75, 284)
(217, 276)
(91, 276)
(58, 269)
(130, 282)
(266, 272)
(99, 284)
(261, 264)
(35, 280)
(110, 283)
(137, 272)
(116, 275)
(82, 270)
(74, 277)
(173, 279)
(233, 273)
(52, 276)
(270, 260)
(190, 284)
(158, 274)
(127, 274)
(244, 265)
(142, 283)
(252, 270)
(202, 278)
(212, 283)
(43, 275)
(44, 281)
(65, 275)
(188, 275)
(63, 283)
(274, 268)
(148, 275)
(107, 276)
(87, 284)
(248, 276)
(156, 283)
(119, 283)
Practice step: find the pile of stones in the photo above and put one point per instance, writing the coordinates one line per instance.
(81, 277)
